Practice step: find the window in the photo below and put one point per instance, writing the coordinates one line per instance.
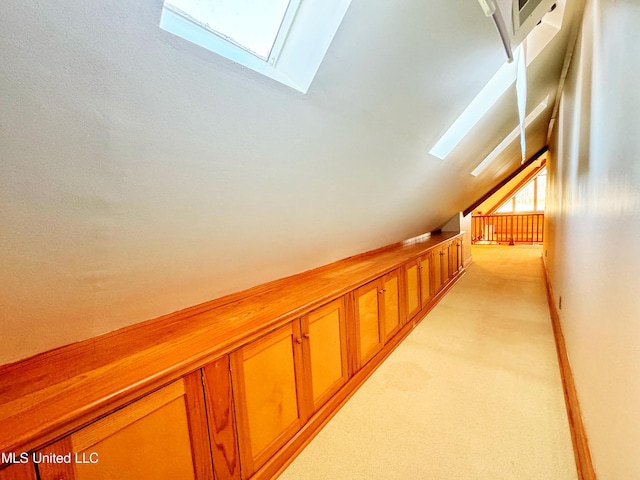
(282, 39)
(252, 26)
(530, 198)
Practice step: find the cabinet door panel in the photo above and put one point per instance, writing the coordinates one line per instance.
(148, 439)
(425, 280)
(391, 302)
(367, 322)
(325, 333)
(267, 394)
(446, 273)
(436, 260)
(413, 289)
(453, 258)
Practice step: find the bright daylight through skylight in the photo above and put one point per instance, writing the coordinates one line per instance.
(249, 24)
(285, 40)
(538, 39)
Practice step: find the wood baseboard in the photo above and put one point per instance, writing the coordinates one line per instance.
(581, 451)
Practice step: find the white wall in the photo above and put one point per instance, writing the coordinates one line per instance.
(593, 240)
(141, 174)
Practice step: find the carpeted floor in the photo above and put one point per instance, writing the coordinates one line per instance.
(474, 392)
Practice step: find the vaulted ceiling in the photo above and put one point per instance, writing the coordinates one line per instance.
(142, 174)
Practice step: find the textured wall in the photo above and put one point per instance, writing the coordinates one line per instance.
(594, 231)
(141, 174)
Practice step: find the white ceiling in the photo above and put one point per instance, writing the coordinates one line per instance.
(141, 174)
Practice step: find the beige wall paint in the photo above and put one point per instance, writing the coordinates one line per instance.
(593, 215)
(460, 223)
(140, 174)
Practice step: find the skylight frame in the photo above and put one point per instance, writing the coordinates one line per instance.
(276, 46)
(283, 31)
(302, 42)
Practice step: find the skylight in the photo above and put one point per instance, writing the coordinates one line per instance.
(510, 138)
(490, 94)
(285, 40)
(253, 26)
(497, 86)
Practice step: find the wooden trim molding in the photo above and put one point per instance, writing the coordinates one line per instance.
(584, 465)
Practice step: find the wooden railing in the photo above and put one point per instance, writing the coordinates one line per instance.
(525, 228)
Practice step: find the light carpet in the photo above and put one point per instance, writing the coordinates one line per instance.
(474, 392)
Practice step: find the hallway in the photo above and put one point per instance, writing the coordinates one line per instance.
(474, 392)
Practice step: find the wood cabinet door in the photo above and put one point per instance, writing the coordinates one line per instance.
(369, 338)
(412, 277)
(454, 257)
(152, 438)
(426, 291)
(391, 305)
(446, 272)
(268, 394)
(324, 333)
(19, 471)
(436, 262)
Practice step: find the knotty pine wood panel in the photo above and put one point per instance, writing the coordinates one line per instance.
(45, 396)
(268, 394)
(18, 471)
(324, 334)
(216, 380)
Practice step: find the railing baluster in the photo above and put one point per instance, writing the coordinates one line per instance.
(522, 228)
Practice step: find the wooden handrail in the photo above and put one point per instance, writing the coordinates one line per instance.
(508, 228)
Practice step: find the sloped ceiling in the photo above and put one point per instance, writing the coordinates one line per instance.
(141, 174)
